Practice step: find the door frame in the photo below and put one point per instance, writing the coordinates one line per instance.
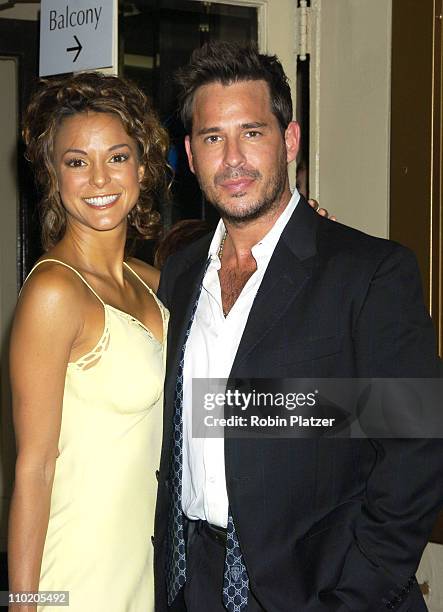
(13, 33)
(262, 18)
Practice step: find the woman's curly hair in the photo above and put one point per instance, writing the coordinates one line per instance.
(57, 98)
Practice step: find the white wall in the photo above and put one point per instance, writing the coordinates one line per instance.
(281, 36)
(350, 110)
(281, 41)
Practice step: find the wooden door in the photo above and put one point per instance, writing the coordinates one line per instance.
(416, 141)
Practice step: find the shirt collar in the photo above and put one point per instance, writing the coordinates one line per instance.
(268, 243)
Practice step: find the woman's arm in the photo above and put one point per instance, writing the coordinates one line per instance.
(46, 325)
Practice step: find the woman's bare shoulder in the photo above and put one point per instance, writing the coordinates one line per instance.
(148, 273)
(51, 288)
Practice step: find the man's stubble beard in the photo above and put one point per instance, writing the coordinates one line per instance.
(251, 211)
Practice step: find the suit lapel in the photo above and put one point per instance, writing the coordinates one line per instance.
(284, 278)
(278, 289)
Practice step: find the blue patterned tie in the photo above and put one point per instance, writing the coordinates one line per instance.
(236, 581)
(176, 561)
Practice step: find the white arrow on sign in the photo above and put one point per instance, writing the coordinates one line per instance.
(78, 48)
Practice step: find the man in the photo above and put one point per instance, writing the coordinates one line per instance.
(284, 524)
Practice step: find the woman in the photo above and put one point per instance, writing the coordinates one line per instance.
(88, 352)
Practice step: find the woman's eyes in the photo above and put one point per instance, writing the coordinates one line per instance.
(75, 163)
(117, 158)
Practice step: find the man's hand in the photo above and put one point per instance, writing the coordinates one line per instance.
(321, 211)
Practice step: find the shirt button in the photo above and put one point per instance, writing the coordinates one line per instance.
(211, 479)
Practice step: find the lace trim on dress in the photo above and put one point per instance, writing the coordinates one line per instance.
(92, 357)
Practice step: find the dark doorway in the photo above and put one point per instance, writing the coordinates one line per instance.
(19, 40)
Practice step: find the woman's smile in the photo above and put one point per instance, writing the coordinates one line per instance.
(103, 201)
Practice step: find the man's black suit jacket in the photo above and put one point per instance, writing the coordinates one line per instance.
(324, 524)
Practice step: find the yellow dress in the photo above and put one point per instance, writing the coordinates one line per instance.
(98, 543)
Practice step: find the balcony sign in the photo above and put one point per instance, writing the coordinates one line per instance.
(77, 35)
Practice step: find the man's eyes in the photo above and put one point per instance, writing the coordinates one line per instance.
(250, 134)
(212, 139)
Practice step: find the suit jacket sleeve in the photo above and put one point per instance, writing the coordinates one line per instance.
(394, 337)
(166, 281)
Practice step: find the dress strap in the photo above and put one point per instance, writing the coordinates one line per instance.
(62, 263)
(164, 313)
(151, 291)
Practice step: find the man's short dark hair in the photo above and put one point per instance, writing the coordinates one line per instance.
(228, 63)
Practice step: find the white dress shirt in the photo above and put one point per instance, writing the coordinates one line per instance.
(210, 352)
